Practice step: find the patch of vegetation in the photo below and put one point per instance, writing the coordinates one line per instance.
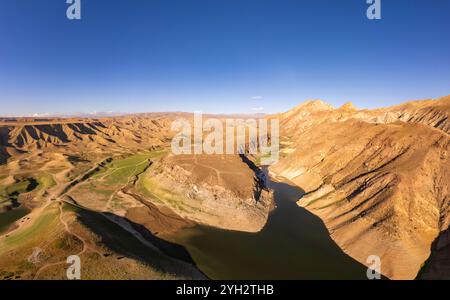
(39, 182)
(6, 275)
(8, 217)
(36, 231)
(23, 266)
(260, 157)
(119, 171)
(18, 187)
(122, 170)
(116, 203)
(150, 188)
(45, 181)
(104, 192)
(67, 207)
(66, 242)
(10, 193)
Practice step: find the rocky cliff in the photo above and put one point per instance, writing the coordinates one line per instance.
(380, 183)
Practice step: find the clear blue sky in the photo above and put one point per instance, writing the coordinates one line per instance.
(219, 56)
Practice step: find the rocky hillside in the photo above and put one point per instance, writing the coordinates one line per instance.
(379, 179)
(126, 133)
(433, 113)
(225, 191)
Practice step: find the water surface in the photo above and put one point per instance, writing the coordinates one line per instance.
(294, 244)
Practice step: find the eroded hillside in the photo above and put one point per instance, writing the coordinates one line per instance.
(109, 191)
(379, 179)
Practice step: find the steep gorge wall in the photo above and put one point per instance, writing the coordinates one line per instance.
(382, 188)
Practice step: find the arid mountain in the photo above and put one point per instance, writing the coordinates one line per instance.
(224, 191)
(22, 138)
(379, 179)
(31, 136)
(108, 190)
(434, 113)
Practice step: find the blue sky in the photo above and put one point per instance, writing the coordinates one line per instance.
(219, 56)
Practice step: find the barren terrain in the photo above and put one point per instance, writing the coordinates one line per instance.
(379, 179)
(110, 190)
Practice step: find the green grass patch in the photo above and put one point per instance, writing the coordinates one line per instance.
(40, 182)
(120, 171)
(66, 242)
(104, 192)
(45, 181)
(150, 188)
(19, 187)
(37, 230)
(260, 157)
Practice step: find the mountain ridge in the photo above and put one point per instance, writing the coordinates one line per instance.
(369, 178)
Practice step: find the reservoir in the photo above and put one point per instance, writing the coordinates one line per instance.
(294, 244)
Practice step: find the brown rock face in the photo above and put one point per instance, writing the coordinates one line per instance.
(224, 191)
(380, 179)
(382, 188)
(88, 134)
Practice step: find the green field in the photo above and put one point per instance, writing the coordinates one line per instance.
(114, 174)
(149, 187)
(119, 171)
(36, 183)
(45, 181)
(37, 232)
(9, 217)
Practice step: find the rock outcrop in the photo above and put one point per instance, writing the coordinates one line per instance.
(382, 185)
(224, 191)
